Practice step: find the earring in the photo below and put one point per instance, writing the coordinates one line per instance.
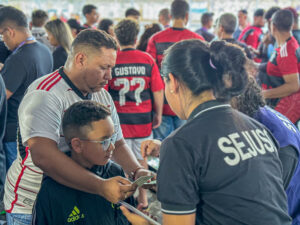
(172, 91)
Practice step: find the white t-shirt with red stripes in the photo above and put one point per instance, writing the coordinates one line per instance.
(40, 114)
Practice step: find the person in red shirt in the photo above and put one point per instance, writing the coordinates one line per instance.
(91, 16)
(252, 35)
(281, 85)
(156, 47)
(137, 90)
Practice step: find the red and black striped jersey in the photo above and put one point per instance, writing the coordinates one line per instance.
(284, 61)
(134, 78)
(162, 40)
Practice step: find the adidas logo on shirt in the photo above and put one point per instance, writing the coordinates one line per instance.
(75, 215)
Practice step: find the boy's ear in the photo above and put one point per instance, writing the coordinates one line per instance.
(76, 145)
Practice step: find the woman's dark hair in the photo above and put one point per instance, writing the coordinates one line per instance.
(200, 66)
(149, 31)
(250, 100)
(105, 24)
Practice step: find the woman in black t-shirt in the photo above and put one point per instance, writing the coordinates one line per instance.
(220, 167)
(60, 36)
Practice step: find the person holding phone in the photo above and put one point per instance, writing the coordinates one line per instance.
(221, 167)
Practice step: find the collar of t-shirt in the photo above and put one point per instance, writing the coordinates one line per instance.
(127, 49)
(207, 106)
(72, 86)
(177, 28)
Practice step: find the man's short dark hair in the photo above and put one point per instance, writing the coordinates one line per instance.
(179, 9)
(94, 40)
(87, 9)
(229, 22)
(270, 12)
(39, 18)
(165, 13)
(74, 24)
(81, 115)
(12, 15)
(132, 12)
(259, 12)
(126, 31)
(283, 20)
(244, 11)
(105, 24)
(206, 18)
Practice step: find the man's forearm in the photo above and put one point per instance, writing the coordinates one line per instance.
(281, 91)
(62, 168)
(124, 157)
(158, 97)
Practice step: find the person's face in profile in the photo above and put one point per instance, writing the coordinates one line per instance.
(97, 148)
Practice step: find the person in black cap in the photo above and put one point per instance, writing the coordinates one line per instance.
(207, 22)
(252, 35)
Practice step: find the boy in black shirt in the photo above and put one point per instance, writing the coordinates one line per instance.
(89, 130)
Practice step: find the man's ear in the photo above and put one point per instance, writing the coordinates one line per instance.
(80, 60)
(76, 145)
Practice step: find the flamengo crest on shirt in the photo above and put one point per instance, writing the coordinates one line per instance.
(235, 145)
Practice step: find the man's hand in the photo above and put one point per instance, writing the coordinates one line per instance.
(150, 148)
(117, 189)
(1, 66)
(133, 218)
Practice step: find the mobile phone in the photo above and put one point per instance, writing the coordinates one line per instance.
(138, 212)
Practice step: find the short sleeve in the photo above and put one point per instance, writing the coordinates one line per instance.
(178, 186)
(287, 62)
(115, 118)
(157, 83)
(151, 48)
(13, 73)
(40, 115)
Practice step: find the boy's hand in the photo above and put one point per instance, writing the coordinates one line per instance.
(116, 189)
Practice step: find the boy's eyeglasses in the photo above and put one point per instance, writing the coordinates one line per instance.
(105, 143)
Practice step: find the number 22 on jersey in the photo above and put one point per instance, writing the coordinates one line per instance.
(126, 88)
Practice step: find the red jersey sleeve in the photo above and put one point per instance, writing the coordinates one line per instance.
(287, 64)
(156, 82)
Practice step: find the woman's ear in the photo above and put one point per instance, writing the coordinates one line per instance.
(76, 145)
(174, 85)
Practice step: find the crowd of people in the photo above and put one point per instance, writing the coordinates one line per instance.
(82, 106)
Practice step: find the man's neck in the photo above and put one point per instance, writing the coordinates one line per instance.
(282, 38)
(122, 47)
(205, 27)
(75, 78)
(226, 36)
(90, 24)
(21, 37)
(178, 23)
